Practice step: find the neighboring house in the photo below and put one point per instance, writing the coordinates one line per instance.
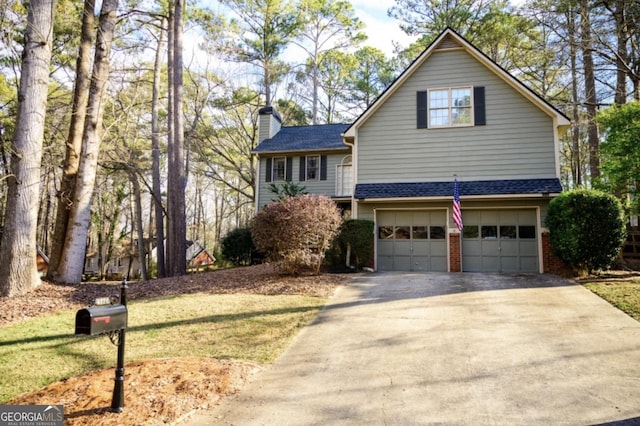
(126, 262)
(452, 114)
(42, 262)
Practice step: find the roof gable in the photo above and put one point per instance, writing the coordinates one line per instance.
(305, 138)
(448, 40)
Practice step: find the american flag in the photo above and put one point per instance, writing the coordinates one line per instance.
(457, 214)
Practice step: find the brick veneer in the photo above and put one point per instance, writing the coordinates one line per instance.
(552, 264)
(455, 261)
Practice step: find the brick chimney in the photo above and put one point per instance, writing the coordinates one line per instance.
(269, 123)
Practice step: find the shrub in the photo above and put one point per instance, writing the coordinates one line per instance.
(355, 240)
(238, 248)
(586, 229)
(295, 232)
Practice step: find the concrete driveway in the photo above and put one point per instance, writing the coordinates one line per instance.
(431, 348)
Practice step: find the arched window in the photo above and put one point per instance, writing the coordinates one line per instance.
(344, 177)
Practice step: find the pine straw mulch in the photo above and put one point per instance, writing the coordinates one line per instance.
(258, 279)
(157, 391)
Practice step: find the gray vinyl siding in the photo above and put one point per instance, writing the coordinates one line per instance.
(323, 187)
(516, 143)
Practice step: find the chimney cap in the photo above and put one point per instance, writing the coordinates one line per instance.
(270, 110)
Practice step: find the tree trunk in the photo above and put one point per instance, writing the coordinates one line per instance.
(576, 160)
(176, 217)
(138, 221)
(74, 138)
(590, 91)
(18, 270)
(155, 147)
(72, 258)
(622, 57)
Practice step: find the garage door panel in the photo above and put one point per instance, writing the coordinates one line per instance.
(421, 248)
(401, 263)
(439, 263)
(490, 264)
(406, 240)
(421, 263)
(402, 248)
(385, 263)
(385, 248)
(528, 248)
(500, 240)
(529, 264)
(471, 248)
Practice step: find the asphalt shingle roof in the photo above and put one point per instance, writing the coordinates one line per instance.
(444, 189)
(305, 138)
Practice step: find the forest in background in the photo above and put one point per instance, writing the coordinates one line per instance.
(206, 68)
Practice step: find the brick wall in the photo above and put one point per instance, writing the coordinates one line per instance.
(455, 261)
(552, 264)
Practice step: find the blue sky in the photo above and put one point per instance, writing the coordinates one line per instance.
(381, 29)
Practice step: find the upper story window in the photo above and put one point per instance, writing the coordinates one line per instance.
(278, 170)
(312, 167)
(450, 107)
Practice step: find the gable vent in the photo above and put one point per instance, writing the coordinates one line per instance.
(448, 43)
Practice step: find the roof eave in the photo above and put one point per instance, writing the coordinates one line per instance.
(537, 195)
(297, 151)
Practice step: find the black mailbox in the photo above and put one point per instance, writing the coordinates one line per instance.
(101, 319)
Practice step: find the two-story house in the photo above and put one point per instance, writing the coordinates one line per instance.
(453, 114)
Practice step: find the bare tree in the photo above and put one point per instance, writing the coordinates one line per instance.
(18, 272)
(74, 138)
(176, 214)
(73, 255)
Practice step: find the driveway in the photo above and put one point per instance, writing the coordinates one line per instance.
(432, 348)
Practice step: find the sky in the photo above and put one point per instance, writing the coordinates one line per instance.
(381, 29)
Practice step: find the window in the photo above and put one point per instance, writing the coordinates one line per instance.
(450, 107)
(313, 167)
(278, 168)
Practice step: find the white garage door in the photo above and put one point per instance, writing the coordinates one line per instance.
(500, 241)
(412, 241)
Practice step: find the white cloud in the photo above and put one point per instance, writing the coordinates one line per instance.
(381, 29)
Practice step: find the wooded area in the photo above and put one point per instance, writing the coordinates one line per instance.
(143, 140)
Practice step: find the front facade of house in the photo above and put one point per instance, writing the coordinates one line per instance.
(452, 115)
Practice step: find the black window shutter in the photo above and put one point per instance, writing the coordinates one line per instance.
(421, 102)
(323, 167)
(267, 175)
(303, 169)
(289, 169)
(479, 114)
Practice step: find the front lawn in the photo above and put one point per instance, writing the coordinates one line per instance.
(623, 294)
(248, 327)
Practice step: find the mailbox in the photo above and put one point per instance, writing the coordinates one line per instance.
(101, 319)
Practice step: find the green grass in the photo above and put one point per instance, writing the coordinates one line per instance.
(255, 328)
(624, 295)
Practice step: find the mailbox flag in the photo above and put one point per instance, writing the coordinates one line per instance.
(457, 214)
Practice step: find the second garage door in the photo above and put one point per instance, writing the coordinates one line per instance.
(500, 241)
(412, 241)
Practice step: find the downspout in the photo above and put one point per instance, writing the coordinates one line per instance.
(257, 180)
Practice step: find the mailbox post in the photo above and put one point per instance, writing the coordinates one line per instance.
(111, 320)
(117, 401)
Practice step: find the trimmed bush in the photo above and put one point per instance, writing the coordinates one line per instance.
(238, 248)
(586, 229)
(354, 240)
(295, 232)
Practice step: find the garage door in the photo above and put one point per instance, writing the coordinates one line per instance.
(500, 241)
(412, 241)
